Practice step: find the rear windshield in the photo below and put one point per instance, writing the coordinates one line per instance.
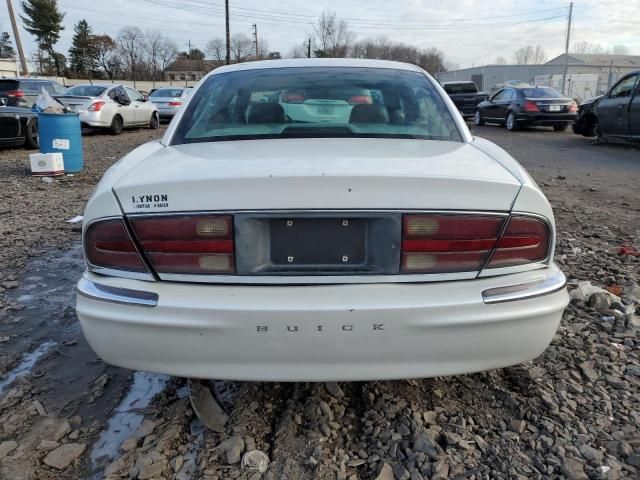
(86, 91)
(460, 88)
(539, 92)
(7, 85)
(167, 92)
(308, 102)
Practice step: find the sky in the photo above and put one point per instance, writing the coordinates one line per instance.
(468, 32)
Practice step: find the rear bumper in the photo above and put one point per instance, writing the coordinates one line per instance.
(546, 119)
(167, 112)
(321, 332)
(96, 119)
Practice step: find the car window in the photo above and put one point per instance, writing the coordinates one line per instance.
(168, 92)
(53, 88)
(541, 92)
(460, 87)
(86, 91)
(31, 88)
(624, 88)
(133, 95)
(498, 96)
(312, 102)
(509, 94)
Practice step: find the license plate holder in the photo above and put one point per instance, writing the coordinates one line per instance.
(325, 109)
(554, 108)
(302, 242)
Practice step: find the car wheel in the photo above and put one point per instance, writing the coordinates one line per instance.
(154, 122)
(31, 136)
(477, 119)
(117, 125)
(561, 128)
(511, 122)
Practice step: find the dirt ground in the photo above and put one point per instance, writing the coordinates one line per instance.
(572, 413)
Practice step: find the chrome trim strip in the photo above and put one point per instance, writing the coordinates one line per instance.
(535, 288)
(336, 211)
(123, 296)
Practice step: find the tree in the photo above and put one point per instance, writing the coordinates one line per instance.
(299, 51)
(274, 56)
(529, 55)
(194, 54)
(381, 48)
(130, 44)
(153, 43)
(241, 48)
(620, 50)
(43, 20)
(167, 53)
(6, 49)
(587, 47)
(216, 47)
(82, 54)
(501, 61)
(107, 55)
(332, 37)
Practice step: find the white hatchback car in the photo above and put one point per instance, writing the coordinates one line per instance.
(248, 245)
(111, 106)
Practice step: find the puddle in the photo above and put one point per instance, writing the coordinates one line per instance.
(127, 416)
(26, 364)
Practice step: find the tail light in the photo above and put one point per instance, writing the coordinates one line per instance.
(175, 104)
(108, 245)
(359, 99)
(573, 108)
(292, 97)
(201, 244)
(15, 93)
(95, 107)
(460, 243)
(530, 106)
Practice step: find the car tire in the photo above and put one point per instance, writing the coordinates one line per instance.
(31, 136)
(511, 122)
(154, 122)
(560, 128)
(117, 125)
(477, 119)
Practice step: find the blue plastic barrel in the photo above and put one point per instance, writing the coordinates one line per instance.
(60, 132)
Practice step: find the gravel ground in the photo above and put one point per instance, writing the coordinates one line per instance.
(572, 413)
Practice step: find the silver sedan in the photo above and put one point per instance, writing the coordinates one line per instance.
(169, 100)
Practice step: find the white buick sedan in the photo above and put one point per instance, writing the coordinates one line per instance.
(321, 219)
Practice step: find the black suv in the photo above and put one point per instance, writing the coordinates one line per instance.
(23, 92)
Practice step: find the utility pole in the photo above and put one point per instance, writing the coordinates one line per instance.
(226, 22)
(566, 51)
(255, 40)
(309, 48)
(186, 80)
(16, 35)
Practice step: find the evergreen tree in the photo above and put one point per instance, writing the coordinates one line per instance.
(43, 20)
(82, 54)
(6, 50)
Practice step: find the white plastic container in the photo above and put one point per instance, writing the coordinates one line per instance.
(46, 164)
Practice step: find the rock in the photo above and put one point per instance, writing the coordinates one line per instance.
(424, 443)
(146, 428)
(62, 430)
(116, 466)
(64, 455)
(39, 408)
(334, 390)
(588, 371)
(255, 460)
(129, 444)
(7, 447)
(600, 301)
(516, 425)
(47, 445)
(616, 382)
(440, 470)
(591, 454)
(400, 473)
(233, 448)
(152, 470)
(573, 469)
(634, 460)
(386, 473)
(430, 417)
(326, 410)
(10, 284)
(176, 463)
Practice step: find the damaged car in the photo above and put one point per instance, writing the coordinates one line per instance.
(362, 234)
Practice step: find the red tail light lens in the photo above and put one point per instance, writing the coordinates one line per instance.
(360, 99)
(525, 240)
(447, 243)
(15, 93)
(95, 107)
(175, 104)
(530, 106)
(292, 97)
(108, 245)
(201, 245)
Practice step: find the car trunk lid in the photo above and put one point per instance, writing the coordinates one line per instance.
(75, 103)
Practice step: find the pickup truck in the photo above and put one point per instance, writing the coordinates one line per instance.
(465, 95)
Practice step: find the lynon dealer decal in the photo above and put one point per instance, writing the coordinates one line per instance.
(154, 200)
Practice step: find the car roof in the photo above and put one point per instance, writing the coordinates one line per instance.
(315, 62)
(458, 82)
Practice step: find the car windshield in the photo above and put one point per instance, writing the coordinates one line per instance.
(460, 88)
(312, 102)
(167, 92)
(86, 91)
(541, 92)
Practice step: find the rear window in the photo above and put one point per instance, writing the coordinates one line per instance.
(460, 88)
(86, 91)
(539, 92)
(312, 102)
(167, 92)
(7, 85)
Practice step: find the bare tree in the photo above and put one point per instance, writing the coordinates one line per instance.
(381, 48)
(107, 55)
(587, 47)
(216, 47)
(152, 46)
(242, 48)
(529, 55)
(500, 61)
(620, 50)
(131, 44)
(299, 51)
(332, 37)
